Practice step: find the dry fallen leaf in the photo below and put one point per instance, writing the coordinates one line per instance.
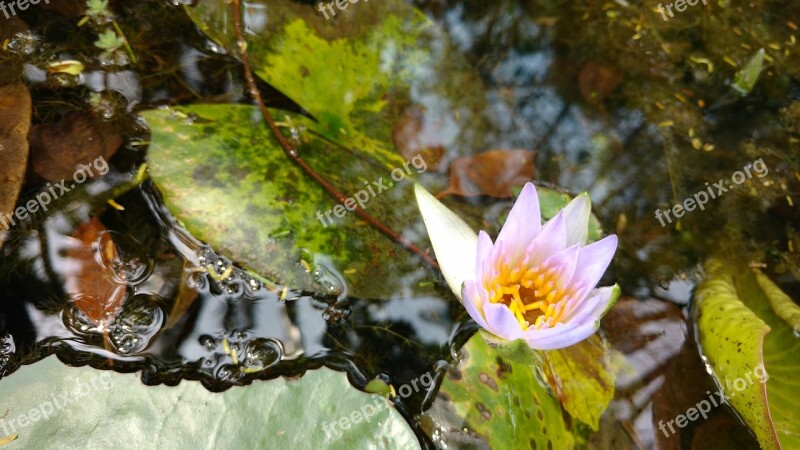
(90, 285)
(15, 120)
(491, 173)
(78, 138)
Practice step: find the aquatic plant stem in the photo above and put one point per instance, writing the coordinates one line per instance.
(295, 156)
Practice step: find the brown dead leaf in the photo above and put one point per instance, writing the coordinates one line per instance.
(412, 137)
(596, 81)
(15, 120)
(77, 139)
(90, 285)
(492, 173)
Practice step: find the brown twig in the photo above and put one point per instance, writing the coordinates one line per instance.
(295, 156)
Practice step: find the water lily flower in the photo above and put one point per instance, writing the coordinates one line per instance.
(536, 282)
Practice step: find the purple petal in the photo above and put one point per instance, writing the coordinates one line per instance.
(501, 321)
(551, 240)
(473, 296)
(524, 221)
(594, 260)
(567, 260)
(576, 218)
(592, 307)
(561, 336)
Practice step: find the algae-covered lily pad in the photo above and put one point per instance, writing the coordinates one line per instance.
(742, 337)
(359, 72)
(224, 175)
(51, 405)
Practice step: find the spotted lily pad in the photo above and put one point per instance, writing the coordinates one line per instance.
(499, 401)
(741, 336)
(41, 402)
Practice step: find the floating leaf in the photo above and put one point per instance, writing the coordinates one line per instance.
(783, 306)
(224, 175)
(739, 333)
(499, 400)
(15, 119)
(491, 173)
(87, 408)
(582, 378)
(359, 74)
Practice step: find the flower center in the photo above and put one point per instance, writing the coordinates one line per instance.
(535, 295)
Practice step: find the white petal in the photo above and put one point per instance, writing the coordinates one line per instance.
(454, 242)
(576, 219)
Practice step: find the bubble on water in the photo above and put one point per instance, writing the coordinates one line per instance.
(234, 354)
(262, 353)
(140, 319)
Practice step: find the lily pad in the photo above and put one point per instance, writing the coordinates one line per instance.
(500, 401)
(740, 335)
(43, 402)
(225, 176)
(359, 72)
(582, 377)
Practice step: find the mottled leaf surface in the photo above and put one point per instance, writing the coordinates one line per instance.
(501, 401)
(224, 175)
(738, 332)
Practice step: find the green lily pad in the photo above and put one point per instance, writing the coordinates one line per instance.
(500, 401)
(359, 72)
(583, 378)
(51, 405)
(741, 335)
(224, 175)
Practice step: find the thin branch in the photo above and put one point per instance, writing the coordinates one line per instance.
(295, 156)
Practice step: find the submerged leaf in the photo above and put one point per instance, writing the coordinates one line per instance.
(493, 173)
(746, 78)
(90, 286)
(57, 149)
(15, 119)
